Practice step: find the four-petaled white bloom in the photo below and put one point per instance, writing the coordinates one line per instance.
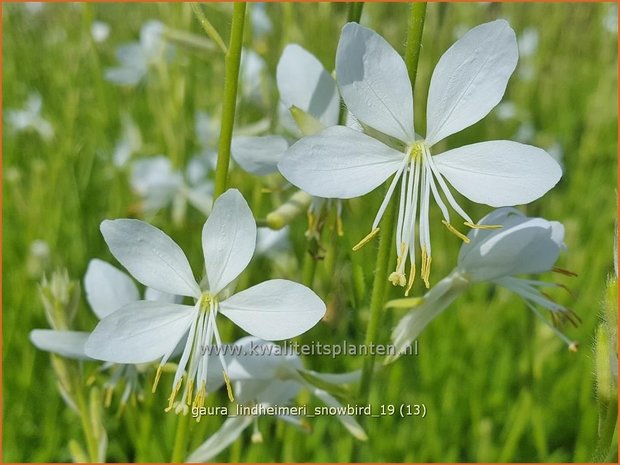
(136, 57)
(159, 185)
(522, 245)
(145, 331)
(107, 289)
(29, 118)
(264, 375)
(468, 81)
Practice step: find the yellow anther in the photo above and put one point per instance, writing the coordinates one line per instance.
(156, 382)
(190, 391)
(229, 390)
(398, 279)
(573, 346)
(456, 232)
(199, 400)
(366, 240)
(482, 226)
(411, 280)
(173, 395)
(425, 270)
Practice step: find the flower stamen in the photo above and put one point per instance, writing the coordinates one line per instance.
(370, 236)
(456, 232)
(471, 225)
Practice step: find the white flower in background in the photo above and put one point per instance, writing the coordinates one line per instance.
(107, 289)
(136, 57)
(207, 130)
(252, 71)
(100, 31)
(159, 185)
(528, 42)
(523, 245)
(129, 144)
(39, 258)
(309, 92)
(261, 24)
(610, 19)
(145, 331)
(268, 377)
(270, 243)
(29, 118)
(34, 7)
(468, 81)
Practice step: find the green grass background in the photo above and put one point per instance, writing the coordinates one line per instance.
(497, 384)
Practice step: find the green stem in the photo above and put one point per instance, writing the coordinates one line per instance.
(180, 439)
(233, 61)
(208, 27)
(606, 435)
(355, 11)
(309, 268)
(414, 39)
(92, 445)
(412, 53)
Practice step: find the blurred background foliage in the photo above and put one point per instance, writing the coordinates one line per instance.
(497, 384)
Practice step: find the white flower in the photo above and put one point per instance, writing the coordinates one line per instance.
(100, 31)
(107, 289)
(146, 331)
(310, 93)
(129, 143)
(136, 57)
(270, 243)
(522, 245)
(468, 81)
(252, 75)
(264, 375)
(30, 119)
(159, 185)
(261, 24)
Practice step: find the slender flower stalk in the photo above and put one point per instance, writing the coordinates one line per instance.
(414, 36)
(233, 61)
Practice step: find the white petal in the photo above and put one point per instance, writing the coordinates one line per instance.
(228, 239)
(470, 79)
(304, 83)
(69, 344)
(150, 256)
(258, 155)
(140, 332)
(274, 310)
(230, 430)
(348, 421)
(374, 82)
(531, 245)
(339, 162)
(155, 295)
(499, 173)
(108, 288)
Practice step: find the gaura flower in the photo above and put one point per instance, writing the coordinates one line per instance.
(468, 81)
(309, 92)
(264, 375)
(160, 185)
(29, 118)
(136, 57)
(145, 331)
(107, 290)
(522, 245)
